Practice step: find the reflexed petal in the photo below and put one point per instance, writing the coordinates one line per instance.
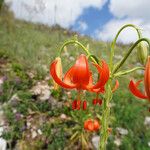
(100, 90)
(116, 86)
(133, 88)
(53, 73)
(69, 75)
(81, 73)
(90, 84)
(147, 78)
(104, 75)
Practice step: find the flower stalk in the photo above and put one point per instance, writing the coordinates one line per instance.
(105, 117)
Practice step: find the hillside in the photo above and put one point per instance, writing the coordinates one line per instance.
(36, 116)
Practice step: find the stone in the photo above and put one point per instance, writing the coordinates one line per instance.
(3, 144)
(1, 131)
(42, 90)
(122, 131)
(95, 141)
(39, 131)
(63, 116)
(34, 134)
(147, 121)
(117, 142)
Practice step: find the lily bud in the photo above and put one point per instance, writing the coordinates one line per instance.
(94, 101)
(142, 52)
(78, 104)
(84, 105)
(74, 104)
(59, 72)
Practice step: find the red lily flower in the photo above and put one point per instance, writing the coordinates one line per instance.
(79, 76)
(133, 86)
(92, 125)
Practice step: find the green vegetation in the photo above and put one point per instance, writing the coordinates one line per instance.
(26, 51)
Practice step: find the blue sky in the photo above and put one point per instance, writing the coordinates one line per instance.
(100, 19)
(94, 18)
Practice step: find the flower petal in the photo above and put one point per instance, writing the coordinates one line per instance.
(104, 75)
(53, 73)
(99, 90)
(147, 78)
(81, 73)
(69, 75)
(133, 88)
(116, 86)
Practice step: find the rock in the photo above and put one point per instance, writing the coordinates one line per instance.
(95, 141)
(34, 134)
(39, 131)
(122, 131)
(3, 144)
(1, 131)
(63, 116)
(117, 142)
(147, 121)
(28, 124)
(42, 90)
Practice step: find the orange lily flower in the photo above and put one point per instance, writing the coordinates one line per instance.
(92, 125)
(133, 85)
(79, 76)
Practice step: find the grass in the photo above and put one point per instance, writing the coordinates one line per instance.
(29, 48)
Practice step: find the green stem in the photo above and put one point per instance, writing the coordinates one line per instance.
(78, 43)
(124, 72)
(105, 117)
(129, 52)
(115, 39)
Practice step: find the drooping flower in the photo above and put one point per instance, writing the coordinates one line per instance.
(133, 86)
(79, 75)
(91, 125)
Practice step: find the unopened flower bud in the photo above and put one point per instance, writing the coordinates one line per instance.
(100, 101)
(59, 72)
(78, 104)
(94, 101)
(84, 105)
(74, 104)
(142, 52)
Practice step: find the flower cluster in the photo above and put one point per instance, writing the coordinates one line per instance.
(79, 77)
